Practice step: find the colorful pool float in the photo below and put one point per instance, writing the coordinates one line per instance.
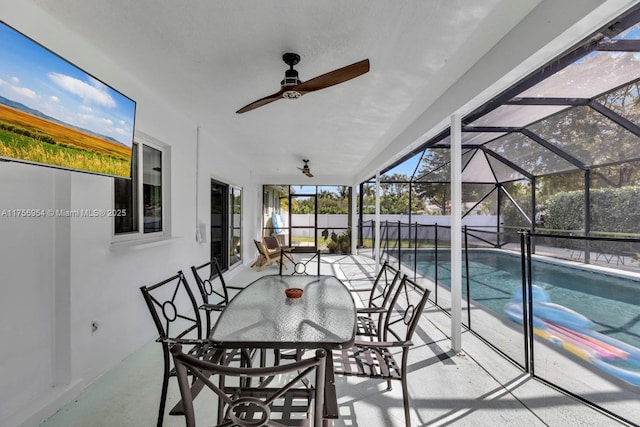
(574, 333)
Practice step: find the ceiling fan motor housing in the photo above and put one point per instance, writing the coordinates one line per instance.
(290, 80)
(290, 76)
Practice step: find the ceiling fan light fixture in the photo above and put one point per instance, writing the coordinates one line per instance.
(291, 94)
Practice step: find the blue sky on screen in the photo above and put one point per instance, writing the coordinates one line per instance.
(39, 79)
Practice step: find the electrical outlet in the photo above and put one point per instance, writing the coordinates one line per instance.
(94, 326)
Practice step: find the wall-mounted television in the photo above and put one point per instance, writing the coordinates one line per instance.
(54, 114)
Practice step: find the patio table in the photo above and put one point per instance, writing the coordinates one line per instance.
(261, 316)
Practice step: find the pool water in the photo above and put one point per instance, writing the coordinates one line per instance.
(612, 303)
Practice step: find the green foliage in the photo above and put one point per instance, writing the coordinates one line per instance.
(328, 203)
(612, 210)
(565, 211)
(394, 197)
(338, 243)
(510, 215)
(26, 132)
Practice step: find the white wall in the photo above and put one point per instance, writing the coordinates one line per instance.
(60, 274)
(445, 220)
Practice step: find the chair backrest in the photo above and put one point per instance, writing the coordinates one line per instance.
(300, 267)
(271, 243)
(259, 247)
(173, 307)
(405, 310)
(383, 286)
(247, 406)
(209, 293)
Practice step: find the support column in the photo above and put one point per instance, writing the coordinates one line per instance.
(361, 215)
(533, 212)
(587, 215)
(499, 223)
(456, 237)
(355, 222)
(376, 250)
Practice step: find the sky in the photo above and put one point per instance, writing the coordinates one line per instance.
(407, 167)
(39, 79)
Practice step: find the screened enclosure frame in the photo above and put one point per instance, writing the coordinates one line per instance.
(566, 131)
(535, 116)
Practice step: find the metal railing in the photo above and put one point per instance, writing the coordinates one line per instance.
(423, 251)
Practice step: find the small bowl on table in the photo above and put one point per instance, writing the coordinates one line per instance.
(293, 293)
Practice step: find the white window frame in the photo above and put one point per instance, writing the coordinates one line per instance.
(142, 139)
(231, 226)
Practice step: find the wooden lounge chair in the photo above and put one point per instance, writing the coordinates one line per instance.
(265, 256)
(273, 244)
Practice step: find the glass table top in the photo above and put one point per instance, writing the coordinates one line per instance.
(262, 316)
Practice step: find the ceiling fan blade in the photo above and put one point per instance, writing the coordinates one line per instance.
(307, 172)
(334, 77)
(260, 102)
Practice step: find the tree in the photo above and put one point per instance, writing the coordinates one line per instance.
(432, 182)
(396, 194)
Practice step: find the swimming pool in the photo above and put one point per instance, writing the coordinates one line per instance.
(611, 302)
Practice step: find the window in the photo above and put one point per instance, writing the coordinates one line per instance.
(142, 197)
(235, 225)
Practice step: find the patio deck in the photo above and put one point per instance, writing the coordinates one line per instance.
(475, 387)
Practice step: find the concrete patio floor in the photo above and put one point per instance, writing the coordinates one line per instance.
(474, 387)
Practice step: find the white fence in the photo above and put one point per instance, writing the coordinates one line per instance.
(340, 221)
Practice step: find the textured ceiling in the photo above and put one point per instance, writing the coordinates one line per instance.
(209, 58)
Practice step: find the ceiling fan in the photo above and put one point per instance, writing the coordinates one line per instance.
(292, 87)
(305, 169)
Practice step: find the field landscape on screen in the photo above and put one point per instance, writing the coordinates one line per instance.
(53, 113)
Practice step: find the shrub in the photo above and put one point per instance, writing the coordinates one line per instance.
(612, 210)
(338, 243)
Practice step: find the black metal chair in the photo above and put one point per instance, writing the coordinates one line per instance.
(374, 359)
(220, 295)
(177, 318)
(214, 298)
(300, 267)
(369, 318)
(294, 403)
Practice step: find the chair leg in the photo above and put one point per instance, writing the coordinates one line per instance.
(208, 313)
(405, 401)
(163, 394)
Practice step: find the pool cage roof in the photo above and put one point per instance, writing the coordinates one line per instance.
(579, 112)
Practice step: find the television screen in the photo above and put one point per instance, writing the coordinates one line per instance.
(54, 114)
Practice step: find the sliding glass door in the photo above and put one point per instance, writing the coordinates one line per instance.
(226, 223)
